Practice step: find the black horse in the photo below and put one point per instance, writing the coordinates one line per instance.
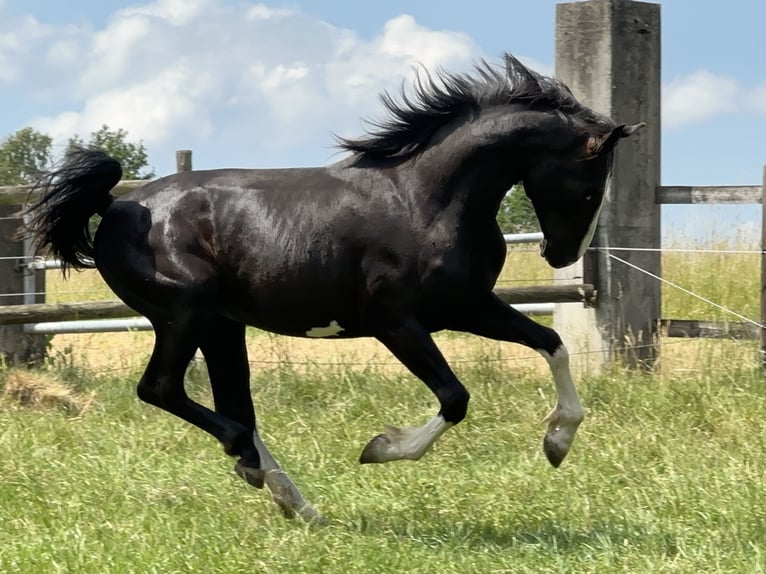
(396, 241)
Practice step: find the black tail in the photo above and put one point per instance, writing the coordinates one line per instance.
(59, 222)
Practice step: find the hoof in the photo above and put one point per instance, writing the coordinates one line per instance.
(307, 513)
(253, 476)
(289, 499)
(553, 452)
(375, 448)
(311, 516)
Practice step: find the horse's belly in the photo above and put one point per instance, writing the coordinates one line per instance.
(304, 316)
(320, 329)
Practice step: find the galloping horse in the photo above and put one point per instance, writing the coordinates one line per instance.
(396, 241)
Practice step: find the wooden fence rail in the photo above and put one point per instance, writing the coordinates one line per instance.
(728, 194)
(710, 329)
(17, 195)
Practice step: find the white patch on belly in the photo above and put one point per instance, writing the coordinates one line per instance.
(330, 331)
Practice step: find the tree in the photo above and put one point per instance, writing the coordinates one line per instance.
(131, 156)
(516, 214)
(24, 156)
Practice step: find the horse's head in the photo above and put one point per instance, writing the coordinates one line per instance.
(567, 191)
(498, 128)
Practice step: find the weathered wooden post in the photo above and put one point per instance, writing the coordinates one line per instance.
(183, 160)
(18, 284)
(608, 52)
(763, 270)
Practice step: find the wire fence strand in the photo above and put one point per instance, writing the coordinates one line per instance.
(394, 363)
(688, 292)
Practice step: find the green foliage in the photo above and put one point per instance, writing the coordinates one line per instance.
(516, 214)
(131, 156)
(27, 154)
(24, 155)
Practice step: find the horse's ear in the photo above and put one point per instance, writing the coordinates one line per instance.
(604, 143)
(628, 131)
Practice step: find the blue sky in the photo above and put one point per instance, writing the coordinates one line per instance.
(266, 84)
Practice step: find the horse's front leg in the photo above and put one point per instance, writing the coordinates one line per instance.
(411, 343)
(494, 319)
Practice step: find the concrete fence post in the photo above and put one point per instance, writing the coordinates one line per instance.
(608, 52)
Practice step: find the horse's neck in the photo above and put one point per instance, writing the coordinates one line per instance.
(463, 180)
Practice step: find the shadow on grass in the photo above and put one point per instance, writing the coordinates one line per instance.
(546, 535)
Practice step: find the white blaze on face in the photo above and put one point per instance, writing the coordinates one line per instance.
(331, 330)
(591, 229)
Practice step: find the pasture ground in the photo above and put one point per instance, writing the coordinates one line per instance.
(667, 474)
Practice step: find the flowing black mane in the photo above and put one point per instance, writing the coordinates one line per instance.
(440, 99)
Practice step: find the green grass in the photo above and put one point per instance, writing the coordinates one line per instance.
(667, 475)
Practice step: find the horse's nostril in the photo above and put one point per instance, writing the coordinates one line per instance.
(543, 245)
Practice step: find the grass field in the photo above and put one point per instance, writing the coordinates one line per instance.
(667, 474)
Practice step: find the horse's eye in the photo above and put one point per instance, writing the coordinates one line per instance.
(588, 197)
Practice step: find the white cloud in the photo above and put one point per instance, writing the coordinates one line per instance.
(15, 37)
(171, 67)
(151, 110)
(363, 70)
(756, 99)
(405, 40)
(175, 12)
(62, 53)
(263, 12)
(239, 76)
(698, 97)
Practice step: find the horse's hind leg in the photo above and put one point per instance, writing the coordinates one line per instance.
(285, 493)
(223, 345)
(225, 352)
(162, 385)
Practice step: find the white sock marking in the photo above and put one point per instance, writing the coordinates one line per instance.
(268, 462)
(413, 443)
(568, 400)
(286, 494)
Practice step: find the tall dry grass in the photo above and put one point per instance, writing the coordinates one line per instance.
(716, 270)
(729, 279)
